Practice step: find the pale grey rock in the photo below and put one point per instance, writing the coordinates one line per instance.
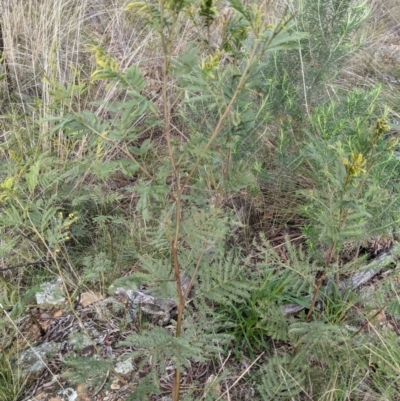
(159, 310)
(67, 394)
(33, 360)
(51, 293)
(125, 367)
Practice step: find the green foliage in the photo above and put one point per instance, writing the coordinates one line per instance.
(9, 298)
(318, 339)
(229, 114)
(251, 323)
(208, 12)
(101, 134)
(78, 371)
(35, 217)
(11, 384)
(394, 307)
(202, 228)
(331, 25)
(260, 315)
(349, 158)
(147, 386)
(298, 78)
(96, 268)
(222, 282)
(384, 362)
(337, 304)
(283, 378)
(160, 345)
(288, 280)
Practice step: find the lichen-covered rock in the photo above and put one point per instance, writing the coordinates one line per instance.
(51, 293)
(125, 367)
(32, 362)
(67, 394)
(159, 310)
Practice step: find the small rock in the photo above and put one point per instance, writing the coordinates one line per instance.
(115, 385)
(125, 367)
(51, 293)
(89, 297)
(67, 394)
(33, 360)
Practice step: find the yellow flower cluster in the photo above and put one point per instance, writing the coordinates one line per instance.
(356, 165)
(66, 225)
(211, 64)
(381, 127)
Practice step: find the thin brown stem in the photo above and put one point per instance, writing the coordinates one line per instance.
(369, 320)
(189, 286)
(167, 42)
(177, 272)
(315, 297)
(321, 280)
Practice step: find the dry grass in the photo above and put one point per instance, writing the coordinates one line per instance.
(380, 53)
(47, 41)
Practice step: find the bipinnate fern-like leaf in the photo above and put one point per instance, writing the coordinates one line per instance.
(203, 226)
(273, 320)
(394, 307)
(282, 379)
(222, 281)
(320, 340)
(160, 347)
(147, 386)
(86, 369)
(289, 280)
